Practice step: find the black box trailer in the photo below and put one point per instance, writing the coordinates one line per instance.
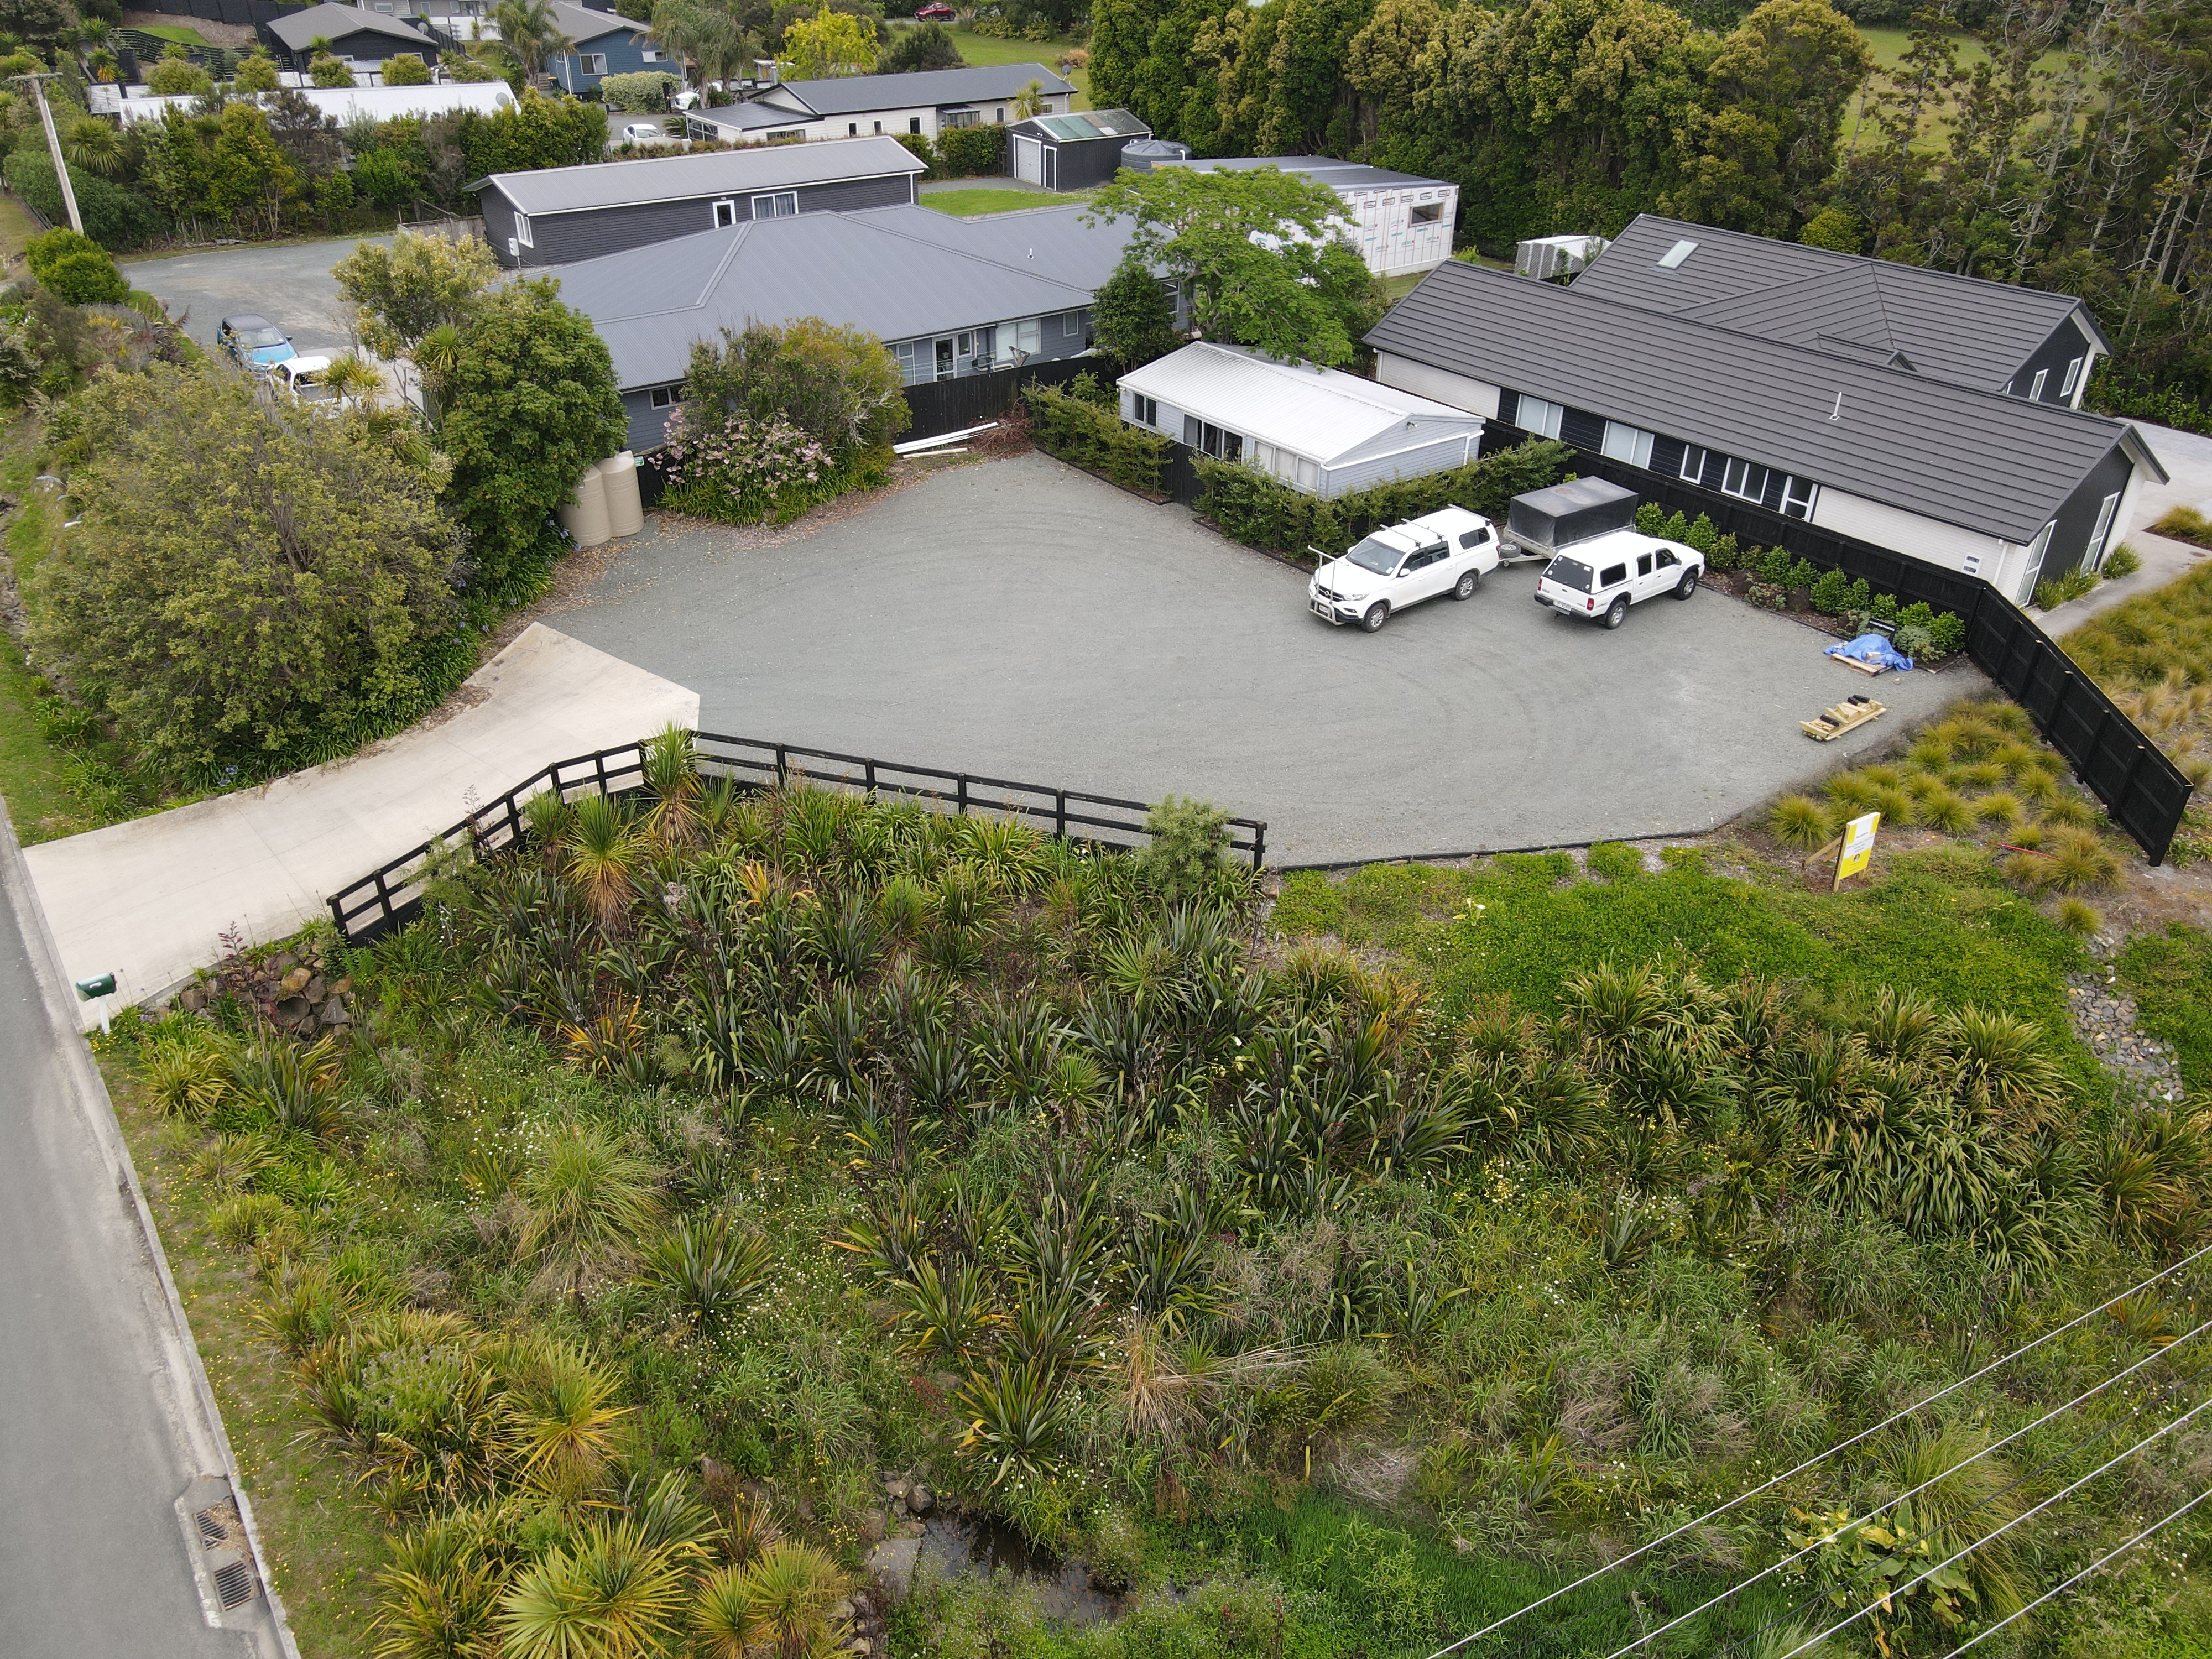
(1542, 522)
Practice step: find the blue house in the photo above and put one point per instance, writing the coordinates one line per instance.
(607, 43)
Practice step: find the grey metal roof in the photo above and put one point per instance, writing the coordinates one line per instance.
(1981, 460)
(1054, 241)
(853, 95)
(1962, 328)
(1322, 170)
(880, 270)
(299, 29)
(582, 23)
(708, 173)
(750, 117)
(1085, 124)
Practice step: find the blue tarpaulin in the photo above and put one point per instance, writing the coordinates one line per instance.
(1873, 650)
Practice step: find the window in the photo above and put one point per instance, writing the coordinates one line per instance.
(725, 213)
(1666, 559)
(957, 118)
(667, 397)
(913, 124)
(1742, 480)
(2073, 378)
(879, 126)
(1071, 325)
(1223, 446)
(1693, 464)
(522, 230)
(913, 360)
(1147, 410)
(1627, 443)
(967, 346)
(783, 204)
(852, 128)
(1613, 575)
(944, 360)
(1474, 538)
(1973, 566)
(594, 62)
(1430, 213)
(786, 136)
(1644, 564)
(1534, 414)
(2093, 556)
(1027, 333)
(2035, 386)
(1001, 117)
(1797, 497)
(987, 349)
(649, 54)
(1308, 474)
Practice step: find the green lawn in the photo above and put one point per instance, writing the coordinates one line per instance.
(182, 33)
(2170, 975)
(966, 204)
(986, 49)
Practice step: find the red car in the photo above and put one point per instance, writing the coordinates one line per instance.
(935, 12)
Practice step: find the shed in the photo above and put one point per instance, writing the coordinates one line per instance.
(1398, 222)
(1072, 152)
(554, 215)
(1542, 521)
(1318, 430)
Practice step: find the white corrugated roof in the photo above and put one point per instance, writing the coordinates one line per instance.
(1320, 413)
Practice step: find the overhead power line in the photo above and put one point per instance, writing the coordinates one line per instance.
(2058, 1497)
(1814, 1462)
(1993, 1447)
(2065, 1585)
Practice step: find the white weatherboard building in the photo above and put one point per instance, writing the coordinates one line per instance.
(1400, 223)
(1315, 429)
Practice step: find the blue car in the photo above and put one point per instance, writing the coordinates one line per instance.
(254, 341)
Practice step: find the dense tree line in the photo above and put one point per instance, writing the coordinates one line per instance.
(2072, 152)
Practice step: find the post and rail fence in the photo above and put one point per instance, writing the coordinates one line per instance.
(2141, 789)
(392, 896)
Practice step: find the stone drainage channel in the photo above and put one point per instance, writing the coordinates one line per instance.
(930, 1543)
(2104, 1017)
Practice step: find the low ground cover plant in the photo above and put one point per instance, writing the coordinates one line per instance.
(783, 1139)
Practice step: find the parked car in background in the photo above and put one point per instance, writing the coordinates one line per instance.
(1446, 551)
(302, 377)
(1598, 579)
(644, 132)
(254, 341)
(935, 12)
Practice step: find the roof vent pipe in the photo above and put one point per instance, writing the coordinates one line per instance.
(1836, 413)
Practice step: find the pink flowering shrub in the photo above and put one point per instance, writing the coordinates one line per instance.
(741, 471)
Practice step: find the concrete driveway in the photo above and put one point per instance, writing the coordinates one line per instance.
(290, 285)
(1022, 619)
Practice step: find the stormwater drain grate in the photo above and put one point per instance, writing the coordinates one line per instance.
(225, 1566)
(213, 1530)
(235, 1584)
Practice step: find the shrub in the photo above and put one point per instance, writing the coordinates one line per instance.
(1188, 838)
(252, 586)
(406, 69)
(924, 46)
(1702, 535)
(1774, 566)
(1088, 436)
(327, 72)
(648, 89)
(838, 385)
(1092, 390)
(175, 77)
(257, 72)
(1677, 527)
(2080, 860)
(1726, 555)
(972, 152)
(919, 143)
(1802, 575)
(1832, 593)
(2121, 560)
(741, 471)
(1882, 607)
(2078, 918)
(1800, 821)
(77, 268)
(114, 216)
(1651, 518)
(1947, 633)
(1259, 511)
(1132, 317)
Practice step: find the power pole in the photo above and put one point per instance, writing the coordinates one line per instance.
(54, 146)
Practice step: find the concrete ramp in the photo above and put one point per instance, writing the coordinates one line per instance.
(152, 900)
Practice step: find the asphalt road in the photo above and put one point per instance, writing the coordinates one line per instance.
(1023, 619)
(290, 285)
(94, 1445)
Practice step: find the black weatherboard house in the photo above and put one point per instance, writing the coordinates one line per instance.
(1975, 479)
(1072, 152)
(1991, 335)
(558, 215)
(357, 35)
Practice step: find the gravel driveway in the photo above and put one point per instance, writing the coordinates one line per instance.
(1022, 619)
(290, 285)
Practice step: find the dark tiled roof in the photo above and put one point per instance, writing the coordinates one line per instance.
(854, 94)
(299, 29)
(1963, 329)
(1980, 460)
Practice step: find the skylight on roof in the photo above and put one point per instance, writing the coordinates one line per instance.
(1675, 255)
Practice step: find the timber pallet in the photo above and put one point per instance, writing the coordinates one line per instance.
(1845, 716)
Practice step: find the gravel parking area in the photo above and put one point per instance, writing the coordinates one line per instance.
(1022, 619)
(291, 285)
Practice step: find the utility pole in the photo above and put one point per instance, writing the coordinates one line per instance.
(54, 146)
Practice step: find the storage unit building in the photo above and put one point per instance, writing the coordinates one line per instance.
(1318, 431)
(1071, 152)
(357, 36)
(2001, 487)
(555, 215)
(1398, 223)
(927, 103)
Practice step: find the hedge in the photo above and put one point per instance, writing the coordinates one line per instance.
(1095, 438)
(117, 218)
(1252, 509)
(971, 152)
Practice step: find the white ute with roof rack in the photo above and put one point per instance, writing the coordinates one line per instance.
(1597, 580)
(1446, 551)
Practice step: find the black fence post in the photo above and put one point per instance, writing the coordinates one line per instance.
(962, 788)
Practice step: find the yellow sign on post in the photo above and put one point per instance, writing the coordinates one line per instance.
(1857, 850)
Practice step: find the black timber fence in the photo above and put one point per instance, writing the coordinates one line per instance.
(2142, 790)
(392, 896)
(940, 406)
